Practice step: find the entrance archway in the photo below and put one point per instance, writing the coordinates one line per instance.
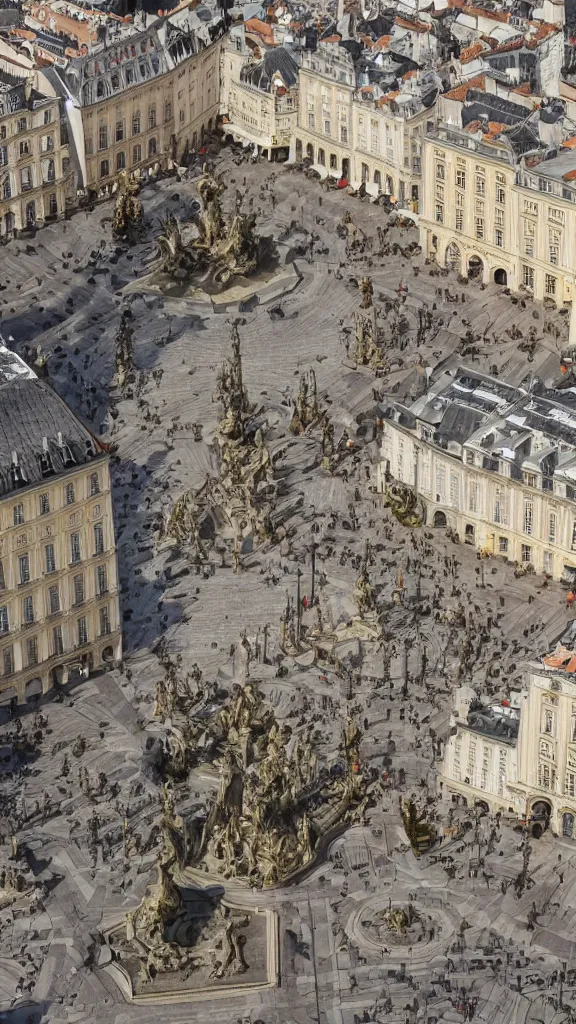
(389, 186)
(345, 167)
(568, 825)
(500, 276)
(469, 534)
(108, 654)
(453, 258)
(475, 267)
(310, 151)
(33, 689)
(540, 817)
(440, 520)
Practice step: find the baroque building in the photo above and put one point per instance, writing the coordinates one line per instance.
(495, 463)
(36, 175)
(59, 607)
(144, 98)
(259, 95)
(326, 91)
(521, 758)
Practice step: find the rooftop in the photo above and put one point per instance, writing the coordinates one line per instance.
(39, 435)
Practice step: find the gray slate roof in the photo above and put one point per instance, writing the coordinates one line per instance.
(30, 411)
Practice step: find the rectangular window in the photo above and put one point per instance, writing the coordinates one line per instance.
(570, 784)
(57, 642)
(32, 650)
(526, 553)
(440, 192)
(104, 168)
(70, 498)
(327, 127)
(167, 111)
(78, 583)
(344, 133)
(4, 621)
(94, 484)
(439, 213)
(479, 224)
(503, 545)
(473, 497)
(311, 121)
(528, 516)
(454, 490)
(8, 661)
(500, 509)
(136, 124)
(136, 154)
(552, 522)
(50, 558)
(104, 622)
(480, 185)
(101, 580)
(98, 539)
(440, 172)
(459, 225)
(18, 515)
(528, 277)
(82, 631)
(461, 178)
(54, 600)
(44, 504)
(440, 483)
(499, 237)
(2, 577)
(75, 552)
(119, 131)
(500, 188)
(550, 285)
(103, 137)
(24, 568)
(28, 610)
(152, 117)
(499, 218)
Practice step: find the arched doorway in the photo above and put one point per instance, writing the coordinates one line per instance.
(378, 179)
(500, 276)
(345, 167)
(389, 190)
(108, 654)
(440, 520)
(453, 258)
(475, 267)
(309, 151)
(33, 689)
(540, 817)
(321, 157)
(482, 807)
(469, 534)
(568, 825)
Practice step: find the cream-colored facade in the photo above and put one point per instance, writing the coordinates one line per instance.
(547, 749)
(36, 177)
(484, 216)
(516, 519)
(153, 122)
(59, 606)
(481, 768)
(325, 123)
(387, 150)
(264, 117)
(467, 217)
(533, 776)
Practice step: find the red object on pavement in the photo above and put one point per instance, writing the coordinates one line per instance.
(343, 182)
(304, 601)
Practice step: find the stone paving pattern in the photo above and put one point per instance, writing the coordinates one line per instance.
(63, 291)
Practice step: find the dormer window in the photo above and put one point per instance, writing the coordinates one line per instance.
(66, 452)
(17, 473)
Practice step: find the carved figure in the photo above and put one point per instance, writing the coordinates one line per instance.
(127, 222)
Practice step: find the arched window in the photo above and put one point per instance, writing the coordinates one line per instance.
(321, 157)
(378, 179)
(152, 147)
(120, 161)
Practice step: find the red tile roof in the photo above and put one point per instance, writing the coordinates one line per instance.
(459, 93)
